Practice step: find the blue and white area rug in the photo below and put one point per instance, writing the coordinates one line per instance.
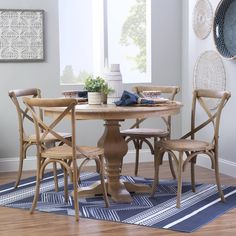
(197, 209)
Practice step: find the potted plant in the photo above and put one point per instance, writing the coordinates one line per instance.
(105, 91)
(97, 89)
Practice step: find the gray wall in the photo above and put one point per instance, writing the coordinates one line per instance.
(166, 58)
(23, 75)
(167, 48)
(193, 48)
(166, 51)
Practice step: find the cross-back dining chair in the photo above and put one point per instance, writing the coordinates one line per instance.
(68, 153)
(139, 135)
(24, 120)
(193, 147)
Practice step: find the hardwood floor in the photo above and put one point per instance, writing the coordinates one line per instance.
(21, 223)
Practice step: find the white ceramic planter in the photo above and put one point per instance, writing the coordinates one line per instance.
(94, 98)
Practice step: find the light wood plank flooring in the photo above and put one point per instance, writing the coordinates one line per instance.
(14, 222)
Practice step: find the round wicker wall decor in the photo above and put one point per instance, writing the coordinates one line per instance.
(224, 28)
(209, 73)
(202, 18)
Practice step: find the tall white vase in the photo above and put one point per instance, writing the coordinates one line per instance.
(114, 80)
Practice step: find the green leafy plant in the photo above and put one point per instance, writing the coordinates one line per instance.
(106, 90)
(94, 84)
(97, 84)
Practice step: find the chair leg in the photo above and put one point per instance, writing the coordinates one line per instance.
(179, 189)
(75, 187)
(193, 162)
(137, 147)
(37, 188)
(97, 166)
(36, 196)
(218, 182)
(102, 178)
(55, 176)
(20, 168)
(65, 184)
(53, 144)
(156, 150)
(171, 166)
(157, 162)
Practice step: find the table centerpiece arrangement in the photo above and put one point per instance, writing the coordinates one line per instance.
(97, 90)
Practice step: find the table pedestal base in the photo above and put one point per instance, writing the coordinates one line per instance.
(121, 196)
(115, 148)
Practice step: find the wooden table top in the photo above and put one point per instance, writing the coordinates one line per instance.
(113, 112)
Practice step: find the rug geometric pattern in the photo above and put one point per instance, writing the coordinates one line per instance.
(197, 209)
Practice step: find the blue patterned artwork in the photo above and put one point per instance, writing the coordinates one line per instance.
(225, 28)
(21, 35)
(197, 208)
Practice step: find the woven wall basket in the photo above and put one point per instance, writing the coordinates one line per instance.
(224, 29)
(202, 18)
(209, 73)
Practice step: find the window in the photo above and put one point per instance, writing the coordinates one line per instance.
(96, 33)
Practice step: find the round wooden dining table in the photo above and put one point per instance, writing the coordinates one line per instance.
(115, 147)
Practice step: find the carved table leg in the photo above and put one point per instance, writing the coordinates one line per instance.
(115, 149)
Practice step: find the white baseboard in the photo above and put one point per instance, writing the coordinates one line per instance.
(226, 167)
(11, 164)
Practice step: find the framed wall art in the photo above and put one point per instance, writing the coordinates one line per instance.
(21, 35)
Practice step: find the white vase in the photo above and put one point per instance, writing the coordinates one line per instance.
(94, 98)
(114, 81)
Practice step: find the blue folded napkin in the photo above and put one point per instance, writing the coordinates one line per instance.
(129, 99)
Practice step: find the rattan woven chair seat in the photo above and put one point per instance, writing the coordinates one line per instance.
(49, 137)
(145, 132)
(65, 152)
(186, 145)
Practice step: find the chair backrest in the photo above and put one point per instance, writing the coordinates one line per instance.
(166, 91)
(22, 111)
(44, 128)
(200, 96)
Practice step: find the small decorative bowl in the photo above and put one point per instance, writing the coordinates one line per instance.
(151, 94)
(83, 94)
(70, 93)
(75, 94)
